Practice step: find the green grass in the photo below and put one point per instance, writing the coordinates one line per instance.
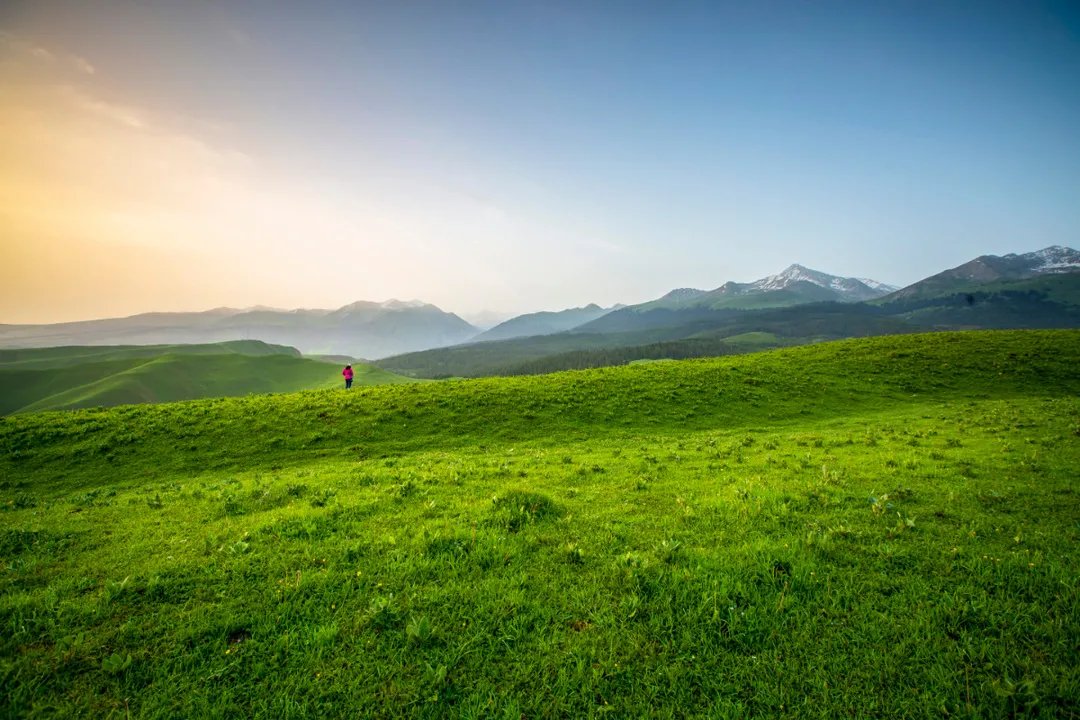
(874, 528)
(79, 377)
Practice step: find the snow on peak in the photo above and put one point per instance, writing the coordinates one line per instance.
(1055, 258)
(799, 273)
(395, 304)
(793, 274)
(848, 288)
(878, 285)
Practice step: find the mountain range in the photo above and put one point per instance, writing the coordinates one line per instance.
(361, 329)
(796, 305)
(793, 286)
(1032, 290)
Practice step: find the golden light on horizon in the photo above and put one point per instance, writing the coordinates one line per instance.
(107, 209)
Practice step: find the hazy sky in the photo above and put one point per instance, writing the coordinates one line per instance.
(519, 156)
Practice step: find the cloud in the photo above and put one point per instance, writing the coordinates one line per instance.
(79, 100)
(42, 54)
(17, 47)
(82, 65)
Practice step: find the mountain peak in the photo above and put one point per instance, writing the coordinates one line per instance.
(798, 273)
(391, 304)
(1052, 260)
(395, 304)
(1056, 257)
(682, 294)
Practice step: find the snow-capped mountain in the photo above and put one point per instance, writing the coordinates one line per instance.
(796, 285)
(874, 284)
(847, 289)
(1052, 260)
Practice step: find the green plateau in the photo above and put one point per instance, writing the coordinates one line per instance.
(879, 527)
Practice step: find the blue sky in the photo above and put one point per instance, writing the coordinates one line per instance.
(522, 156)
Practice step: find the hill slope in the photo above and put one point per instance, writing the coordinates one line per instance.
(779, 385)
(881, 526)
(76, 377)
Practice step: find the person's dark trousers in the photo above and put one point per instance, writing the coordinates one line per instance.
(348, 383)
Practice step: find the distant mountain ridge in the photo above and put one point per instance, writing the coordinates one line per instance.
(1036, 289)
(360, 329)
(1031, 290)
(795, 285)
(543, 323)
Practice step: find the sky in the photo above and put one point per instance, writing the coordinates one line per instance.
(519, 156)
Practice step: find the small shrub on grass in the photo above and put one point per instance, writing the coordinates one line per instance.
(516, 508)
(670, 550)
(322, 498)
(382, 612)
(406, 489)
(116, 664)
(419, 631)
(296, 490)
(24, 500)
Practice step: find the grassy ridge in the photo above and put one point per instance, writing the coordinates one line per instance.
(880, 528)
(788, 386)
(74, 355)
(79, 377)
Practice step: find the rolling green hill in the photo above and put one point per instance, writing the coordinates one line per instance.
(882, 527)
(74, 355)
(76, 377)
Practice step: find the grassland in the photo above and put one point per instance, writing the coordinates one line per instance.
(60, 378)
(871, 528)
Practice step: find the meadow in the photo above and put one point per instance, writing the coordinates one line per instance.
(869, 528)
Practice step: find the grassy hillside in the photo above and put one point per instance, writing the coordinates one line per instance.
(75, 355)
(880, 528)
(77, 377)
(1063, 288)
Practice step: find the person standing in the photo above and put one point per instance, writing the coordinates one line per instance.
(348, 374)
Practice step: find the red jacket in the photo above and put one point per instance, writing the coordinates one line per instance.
(347, 372)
